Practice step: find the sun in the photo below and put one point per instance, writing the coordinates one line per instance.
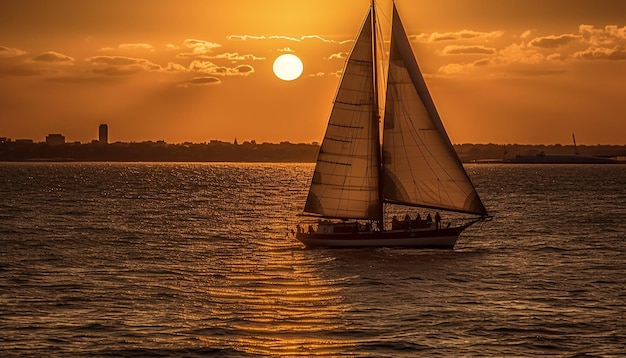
(288, 67)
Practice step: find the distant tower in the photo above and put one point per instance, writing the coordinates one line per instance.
(103, 134)
(235, 143)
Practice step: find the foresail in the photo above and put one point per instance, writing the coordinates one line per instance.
(345, 181)
(420, 166)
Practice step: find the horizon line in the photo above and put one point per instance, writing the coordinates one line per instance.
(254, 142)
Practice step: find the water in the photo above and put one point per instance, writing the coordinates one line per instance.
(195, 260)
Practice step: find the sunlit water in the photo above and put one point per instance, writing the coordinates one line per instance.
(195, 259)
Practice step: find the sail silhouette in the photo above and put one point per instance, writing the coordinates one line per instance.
(414, 163)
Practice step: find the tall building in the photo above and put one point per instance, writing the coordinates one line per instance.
(103, 134)
(55, 139)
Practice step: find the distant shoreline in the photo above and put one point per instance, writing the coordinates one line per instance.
(251, 152)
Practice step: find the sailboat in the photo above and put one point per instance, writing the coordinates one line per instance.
(414, 163)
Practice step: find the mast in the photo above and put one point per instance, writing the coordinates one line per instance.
(376, 123)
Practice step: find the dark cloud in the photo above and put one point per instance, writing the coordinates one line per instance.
(46, 64)
(10, 52)
(244, 69)
(213, 69)
(121, 66)
(202, 81)
(53, 57)
(467, 50)
(457, 35)
(554, 41)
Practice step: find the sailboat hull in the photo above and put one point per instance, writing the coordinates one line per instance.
(435, 239)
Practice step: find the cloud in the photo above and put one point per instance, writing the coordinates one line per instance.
(337, 73)
(520, 59)
(287, 38)
(526, 34)
(465, 50)
(198, 48)
(511, 69)
(458, 35)
(610, 36)
(53, 57)
(201, 81)
(316, 37)
(46, 64)
(175, 67)
(339, 55)
(453, 68)
(538, 56)
(556, 57)
(234, 57)
(209, 68)
(11, 52)
(131, 47)
(518, 53)
(554, 41)
(598, 53)
(608, 43)
(246, 37)
(139, 46)
(121, 66)
(213, 69)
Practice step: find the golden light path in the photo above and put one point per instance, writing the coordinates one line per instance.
(288, 67)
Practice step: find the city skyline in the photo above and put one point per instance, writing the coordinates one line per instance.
(191, 71)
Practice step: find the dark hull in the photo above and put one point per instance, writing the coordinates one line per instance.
(431, 238)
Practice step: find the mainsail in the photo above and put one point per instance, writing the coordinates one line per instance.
(420, 166)
(345, 181)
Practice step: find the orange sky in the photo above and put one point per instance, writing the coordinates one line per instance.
(526, 72)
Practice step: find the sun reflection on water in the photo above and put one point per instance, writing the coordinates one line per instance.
(274, 302)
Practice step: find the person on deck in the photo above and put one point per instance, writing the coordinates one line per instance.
(394, 222)
(437, 220)
(429, 218)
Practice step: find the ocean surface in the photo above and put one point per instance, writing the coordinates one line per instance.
(127, 259)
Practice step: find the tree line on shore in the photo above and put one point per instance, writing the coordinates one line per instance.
(217, 151)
